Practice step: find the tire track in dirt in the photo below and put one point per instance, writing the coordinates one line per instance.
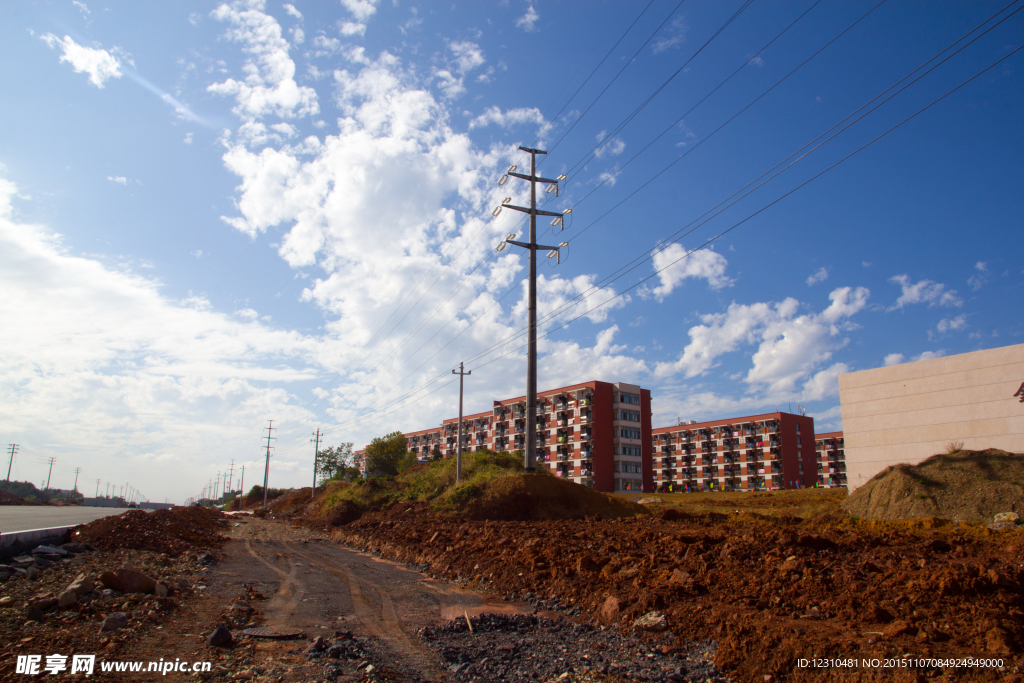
(290, 590)
(383, 623)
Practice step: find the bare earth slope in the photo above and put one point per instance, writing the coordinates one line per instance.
(966, 486)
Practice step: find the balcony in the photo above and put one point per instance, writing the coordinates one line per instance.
(586, 454)
(585, 418)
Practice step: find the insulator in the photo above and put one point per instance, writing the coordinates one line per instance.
(552, 253)
(501, 247)
(557, 221)
(512, 168)
(562, 177)
(564, 244)
(567, 211)
(496, 211)
(502, 180)
(551, 188)
(511, 236)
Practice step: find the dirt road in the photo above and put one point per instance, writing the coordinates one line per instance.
(319, 588)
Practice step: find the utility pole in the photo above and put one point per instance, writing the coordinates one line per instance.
(316, 458)
(458, 439)
(266, 471)
(530, 452)
(77, 470)
(13, 448)
(216, 486)
(241, 486)
(97, 488)
(49, 473)
(231, 476)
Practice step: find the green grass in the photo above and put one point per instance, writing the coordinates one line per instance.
(805, 503)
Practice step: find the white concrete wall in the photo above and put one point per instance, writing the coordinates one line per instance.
(909, 412)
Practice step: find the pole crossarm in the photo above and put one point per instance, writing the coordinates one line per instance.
(535, 247)
(533, 178)
(532, 212)
(532, 151)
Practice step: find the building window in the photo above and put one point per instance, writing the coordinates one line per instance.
(797, 427)
(798, 438)
(629, 433)
(629, 415)
(632, 399)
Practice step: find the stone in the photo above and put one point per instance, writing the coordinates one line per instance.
(23, 561)
(898, 628)
(134, 581)
(206, 559)
(6, 601)
(31, 573)
(316, 646)
(75, 547)
(221, 637)
(1006, 517)
(33, 613)
(44, 602)
(679, 576)
(114, 621)
(996, 640)
(5, 574)
(652, 621)
(609, 610)
(649, 500)
(110, 580)
(82, 585)
(160, 590)
(49, 550)
(67, 599)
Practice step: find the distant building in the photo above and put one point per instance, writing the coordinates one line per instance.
(906, 413)
(831, 455)
(753, 453)
(594, 433)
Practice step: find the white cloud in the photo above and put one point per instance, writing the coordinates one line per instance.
(96, 354)
(269, 87)
(360, 9)
(290, 9)
(528, 22)
(615, 146)
(509, 118)
(674, 37)
(468, 55)
(99, 64)
(187, 139)
(450, 85)
(353, 28)
(198, 253)
(790, 345)
(674, 264)
(893, 359)
(82, 7)
(897, 358)
(820, 276)
(925, 291)
(120, 179)
(978, 281)
(957, 323)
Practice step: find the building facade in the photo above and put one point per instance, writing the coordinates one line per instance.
(909, 412)
(758, 452)
(831, 455)
(595, 433)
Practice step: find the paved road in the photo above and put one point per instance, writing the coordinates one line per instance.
(22, 517)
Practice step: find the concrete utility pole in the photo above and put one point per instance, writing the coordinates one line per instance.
(49, 473)
(241, 486)
(13, 448)
(216, 486)
(530, 452)
(231, 476)
(97, 488)
(77, 470)
(458, 439)
(266, 471)
(316, 458)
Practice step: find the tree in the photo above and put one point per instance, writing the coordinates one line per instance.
(332, 460)
(384, 454)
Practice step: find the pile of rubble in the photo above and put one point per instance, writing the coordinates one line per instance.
(172, 532)
(783, 588)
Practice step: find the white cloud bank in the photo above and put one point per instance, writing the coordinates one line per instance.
(924, 292)
(98, 63)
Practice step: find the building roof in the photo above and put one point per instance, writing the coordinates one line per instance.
(719, 423)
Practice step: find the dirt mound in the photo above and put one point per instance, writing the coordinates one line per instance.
(966, 486)
(529, 497)
(291, 503)
(769, 590)
(174, 531)
(11, 499)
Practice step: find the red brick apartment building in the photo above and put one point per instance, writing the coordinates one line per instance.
(831, 455)
(770, 451)
(595, 433)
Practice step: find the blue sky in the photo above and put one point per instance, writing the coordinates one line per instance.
(213, 215)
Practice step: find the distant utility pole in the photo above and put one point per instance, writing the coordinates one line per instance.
(316, 458)
(49, 473)
(77, 470)
(458, 439)
(12, 448)
(216, 486)
(97, 488)
(266, 471)
(241, 486)
(231, 476)
(530, 452)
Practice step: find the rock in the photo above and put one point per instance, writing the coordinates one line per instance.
(23, 561)
(206, 559)
(609, 610)
(114, 622)
(649, 500)
(996, 640)
(679, 576)
(1002, 517)
(898, 628)
(160, 590)
(110, 580)
(6, 601)
(134, 581)
(335, 651)
(75, 547)
(5, 574)
(652, 621)
(33, 613)
(82, 585)
(220, 637)
(67, 599)
(49, 550)
(316, 646)
(44, 602)
(31, 573)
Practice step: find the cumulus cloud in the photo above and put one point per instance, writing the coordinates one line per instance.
(957, 323)
(100, 64)
(897, 358)
(269, 87)
(120, 179)
(360, 9)
(893, 359)
(509, 118)
(673, 38)
(467, 55)
(820, 276)
(790, 345)
(978, 280)
(528, 22)
(675, 264)
(290, 9)
(924, 291)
